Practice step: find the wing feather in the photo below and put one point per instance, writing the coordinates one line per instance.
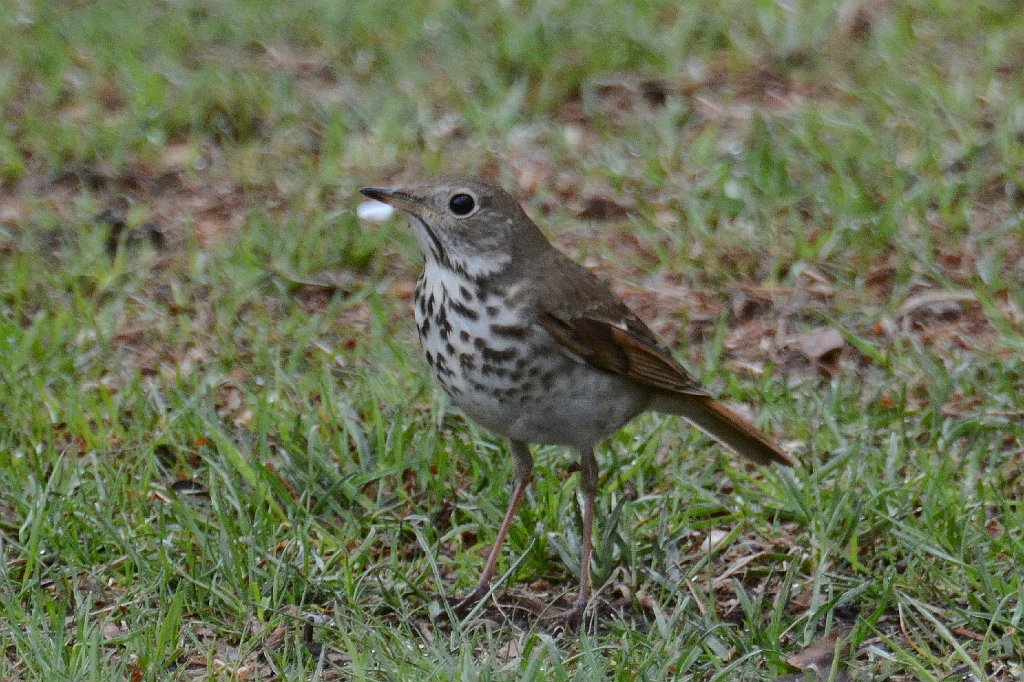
(625, 347)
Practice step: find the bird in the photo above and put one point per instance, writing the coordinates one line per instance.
(535, 348)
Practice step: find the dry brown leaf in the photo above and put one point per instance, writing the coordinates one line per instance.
(942, 304)
(602, 207)
(750, 302)
(714, 538)
(113, 630)
(736, 566)
(510, 651)
(818, 656)
(821, 345)
(176, 157)
(817, 659)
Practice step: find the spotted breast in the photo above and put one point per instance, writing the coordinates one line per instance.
(489, 355)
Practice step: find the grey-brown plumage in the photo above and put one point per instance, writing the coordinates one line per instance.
(534, 347)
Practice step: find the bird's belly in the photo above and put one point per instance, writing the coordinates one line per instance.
(580, 407)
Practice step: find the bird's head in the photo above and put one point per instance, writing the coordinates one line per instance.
(464, 223)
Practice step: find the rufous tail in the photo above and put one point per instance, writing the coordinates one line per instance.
(724, 425)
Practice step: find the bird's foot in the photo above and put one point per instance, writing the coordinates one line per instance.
(570, 619)
(461, 607)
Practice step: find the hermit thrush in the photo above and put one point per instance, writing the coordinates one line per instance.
(533, 347)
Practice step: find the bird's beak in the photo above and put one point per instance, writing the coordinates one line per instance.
(401, 199)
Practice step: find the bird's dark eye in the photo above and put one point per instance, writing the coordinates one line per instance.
(461, 204)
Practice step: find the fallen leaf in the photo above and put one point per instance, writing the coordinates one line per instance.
(940, 304)
(601, 207)
(112, 630)
(816, 660)
(510, 651)
(818, 656)
(187, 486)
(713, 540)
(622, 95)
(821, 345)
(177, 157)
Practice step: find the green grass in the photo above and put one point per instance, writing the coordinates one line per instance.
(216, 427)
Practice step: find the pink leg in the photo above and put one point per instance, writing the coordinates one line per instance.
(524, 474)
(573, 616)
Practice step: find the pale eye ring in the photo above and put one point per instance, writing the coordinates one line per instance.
(462, 204)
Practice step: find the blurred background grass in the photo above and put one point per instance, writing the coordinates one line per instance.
(216, 426)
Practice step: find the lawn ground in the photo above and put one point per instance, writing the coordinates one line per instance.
(222, 456)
